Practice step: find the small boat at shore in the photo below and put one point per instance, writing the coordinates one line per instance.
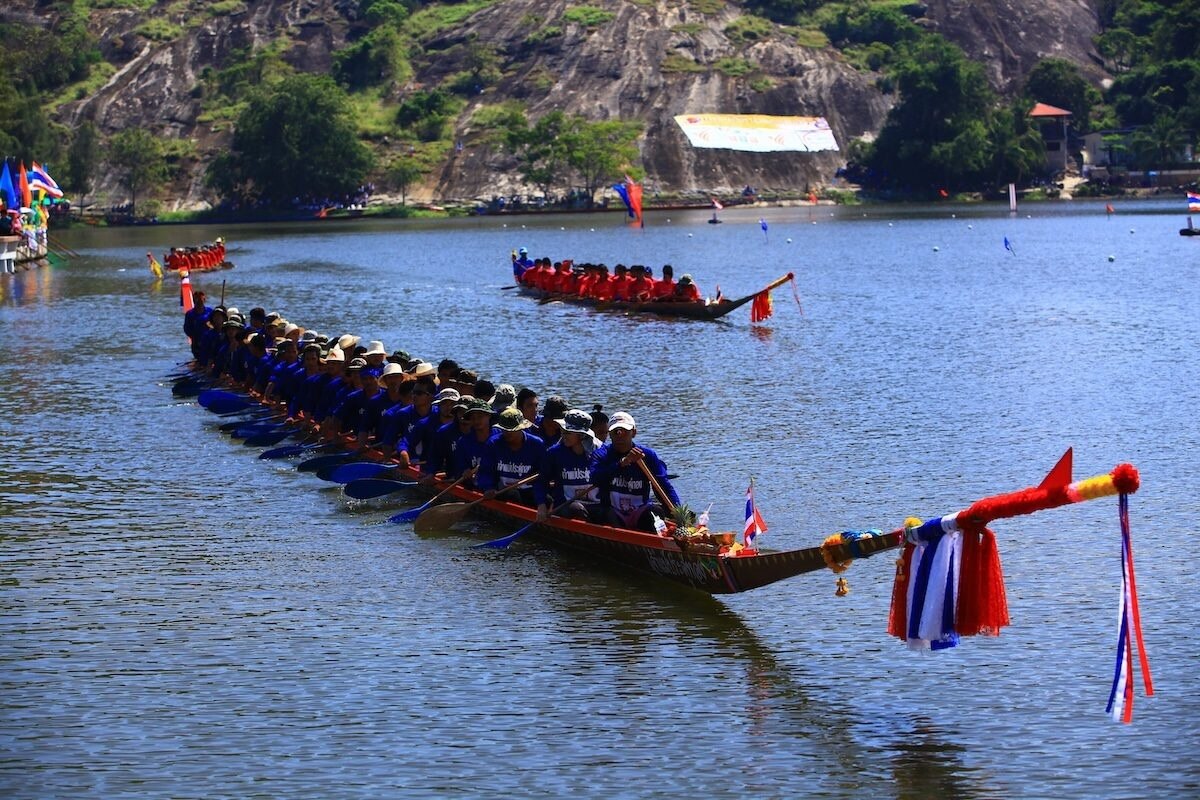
(711, 309)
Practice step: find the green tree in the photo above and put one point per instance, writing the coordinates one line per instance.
(1060, 83)
(1160, 143)
(1017, 149)
(930, 137)
(600, 152)
(403, 174)
(25, 132)
(296, 139)
(82, 157)
(135, 156)
(540, 149)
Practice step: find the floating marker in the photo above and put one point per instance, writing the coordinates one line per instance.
(970, 227)
(689, 236)
(1112, 259)
(789, 241)
(936, 248)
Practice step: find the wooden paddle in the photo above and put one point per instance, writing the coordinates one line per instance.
(413, 513)
(658, 490)
(443, 517)
(505, 541)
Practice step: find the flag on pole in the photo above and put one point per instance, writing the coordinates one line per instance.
(23, 184)
(762, 223)
(1193, 199)
(631, 195)
(40, 179)
(717, 204)
(1008, 246)
(755, 524)
(7, 189)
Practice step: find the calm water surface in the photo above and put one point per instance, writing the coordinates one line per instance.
(180, 619)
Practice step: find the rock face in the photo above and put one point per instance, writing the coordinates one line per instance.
(628, 67)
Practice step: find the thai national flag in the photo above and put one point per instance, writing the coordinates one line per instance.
(755, 524)
(1193, 201)
(40, 179)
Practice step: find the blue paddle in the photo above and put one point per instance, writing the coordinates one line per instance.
(269, 438)
(289, 450)
(361, 469)
(247, 423)
(367, 488)
(505, 541)
(248, 429)
(320, 462)
(413, 513)
(219, 401)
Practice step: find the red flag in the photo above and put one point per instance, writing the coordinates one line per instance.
(23, 186)
(717, 204)
(635, 199)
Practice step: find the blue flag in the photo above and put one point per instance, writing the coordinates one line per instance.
(7, 188)
(620, 189)
(762, 223)
(1008, 246)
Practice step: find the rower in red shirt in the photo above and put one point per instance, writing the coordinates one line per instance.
(602, 289)
(583, 286)
(621, 283)
(664, 287)
(568, 281)
(641, 287)
(687, 291)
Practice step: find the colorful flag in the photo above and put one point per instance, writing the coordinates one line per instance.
(1008, 246)
(40, 179)
(761, 307)
(7, 189)
(23, 184)
(717, 204)
(1193, 201)
(755, 524)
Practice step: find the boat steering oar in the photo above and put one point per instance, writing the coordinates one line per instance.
(443, 517)
(369, 488)
(505, 541)
(412, 513)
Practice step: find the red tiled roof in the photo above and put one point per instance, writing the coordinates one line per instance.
(1046, 110)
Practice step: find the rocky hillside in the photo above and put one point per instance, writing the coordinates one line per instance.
(647, 60)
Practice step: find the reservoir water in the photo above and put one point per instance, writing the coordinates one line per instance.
(179, 619)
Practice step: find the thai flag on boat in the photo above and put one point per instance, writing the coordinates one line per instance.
(755, 524)
(40, 179)
(1193, 201)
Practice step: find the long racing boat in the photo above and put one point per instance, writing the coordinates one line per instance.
(711, 309)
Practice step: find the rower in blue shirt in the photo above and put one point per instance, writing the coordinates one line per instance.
(565, 477)
(520, 263)
(473, 445)
(625, 491)
(513, 453)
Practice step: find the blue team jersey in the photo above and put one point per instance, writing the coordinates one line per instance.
(626, 488)
(502, 466)
(440, 456)
(419, 441)
(469, 452)
(395, 424)
(563, 474)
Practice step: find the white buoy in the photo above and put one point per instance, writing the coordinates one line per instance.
(889, 224)
(689, 236)
(970, 227)
(954, 216)
(562, 228)
(1112, 259)
(593, 230)
(505, 225)
(1131, 230)
(935, 248)
(789, 241)
(814, 222)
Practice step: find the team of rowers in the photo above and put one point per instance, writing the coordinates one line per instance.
(445, 420)
(628, 284)
(202, 257)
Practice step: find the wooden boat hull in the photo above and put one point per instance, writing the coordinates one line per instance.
(194, 270)
(698, 566)
(663, 309)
